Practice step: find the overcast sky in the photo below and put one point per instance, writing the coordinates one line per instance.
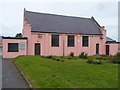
(104, 11)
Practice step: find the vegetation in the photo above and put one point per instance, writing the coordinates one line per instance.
(83, 55)
(72, 54)
(48, 72)
(18, 35)
(115, 59)
(91, 60)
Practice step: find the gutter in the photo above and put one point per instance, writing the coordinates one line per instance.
(65, 33)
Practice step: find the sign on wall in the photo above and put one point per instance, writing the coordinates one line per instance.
(22, 46)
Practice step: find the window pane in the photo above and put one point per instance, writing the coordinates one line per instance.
(55, 40)
(70, 41)
(85, 41)
(12, 47)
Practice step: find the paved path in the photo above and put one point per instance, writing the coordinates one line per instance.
(11, 78)
(0, 68)
(0, 73)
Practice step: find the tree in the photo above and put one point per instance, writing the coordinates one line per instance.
(18, 35)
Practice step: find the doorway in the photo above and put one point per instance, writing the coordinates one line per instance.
(97, 48)
(37, 48)
(107, 49)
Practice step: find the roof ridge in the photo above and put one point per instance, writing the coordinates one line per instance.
(58, 15)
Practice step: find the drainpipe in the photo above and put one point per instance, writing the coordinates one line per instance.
(63, 49)
(27, 47)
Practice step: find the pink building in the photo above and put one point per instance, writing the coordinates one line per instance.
(49, 34)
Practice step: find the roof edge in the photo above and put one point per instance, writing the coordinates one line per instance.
(14, 37)
(66, 33)
(57, 14)
(95, 21)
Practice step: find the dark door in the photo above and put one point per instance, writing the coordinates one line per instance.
(107, 49)
(97, 48)
(37, 48)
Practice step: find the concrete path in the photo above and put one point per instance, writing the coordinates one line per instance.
(0, 68)
(11, 78)
(0, 73)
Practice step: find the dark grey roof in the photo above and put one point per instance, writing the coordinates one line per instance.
(109, 40)
(42, 22)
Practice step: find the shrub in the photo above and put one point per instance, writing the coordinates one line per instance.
(97, 62)
(83, 55)
(103, 58)
(62, 56)
(99, 58)
(53, 58)
(72, 54)
(62, 60)
(100, 62)
(43, 56)
(118, 55)
(115, 58)
(69, 57)
(75, 58)
(57, 59)
(67, 61)
(50, 56)
(90, 60)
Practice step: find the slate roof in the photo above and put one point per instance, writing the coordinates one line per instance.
(109, 40)
(43, 22)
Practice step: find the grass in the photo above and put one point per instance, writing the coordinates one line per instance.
(46, 73)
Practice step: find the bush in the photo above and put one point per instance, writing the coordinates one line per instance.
(72, 54)
(115, 58)
(100, 62)
(90, 60)
(67, 61)
(97, 62)
(57, 59)
(83, 55)
(50, 56)
(62, 60)
(118, 55)
(62, 56)
(103, 58)
(43, 56)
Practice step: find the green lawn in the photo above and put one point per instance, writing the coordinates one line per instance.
(46, 73)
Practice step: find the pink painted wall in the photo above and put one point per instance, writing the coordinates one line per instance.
(113, 48)
(46, 48)
(7, 54)
(118, 47)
